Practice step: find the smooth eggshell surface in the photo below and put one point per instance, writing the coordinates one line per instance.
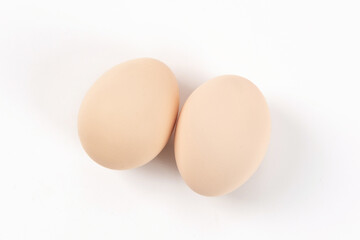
(222, 135)
(127, 116)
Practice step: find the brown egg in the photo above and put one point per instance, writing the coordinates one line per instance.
(127, 116)
(222, 135)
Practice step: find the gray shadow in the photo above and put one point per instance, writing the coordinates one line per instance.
(186, 86)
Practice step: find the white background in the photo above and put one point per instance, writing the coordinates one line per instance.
(303, 55)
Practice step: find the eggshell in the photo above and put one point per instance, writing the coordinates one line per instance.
(127, 116)
(222, 135)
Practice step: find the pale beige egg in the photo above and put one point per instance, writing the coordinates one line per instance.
(222, 135)
(127, 116)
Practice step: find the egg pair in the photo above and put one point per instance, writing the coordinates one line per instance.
(223, 130)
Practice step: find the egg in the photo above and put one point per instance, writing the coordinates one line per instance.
(127, 116)
(222, 135)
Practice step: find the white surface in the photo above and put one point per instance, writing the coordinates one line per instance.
(303, 55)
